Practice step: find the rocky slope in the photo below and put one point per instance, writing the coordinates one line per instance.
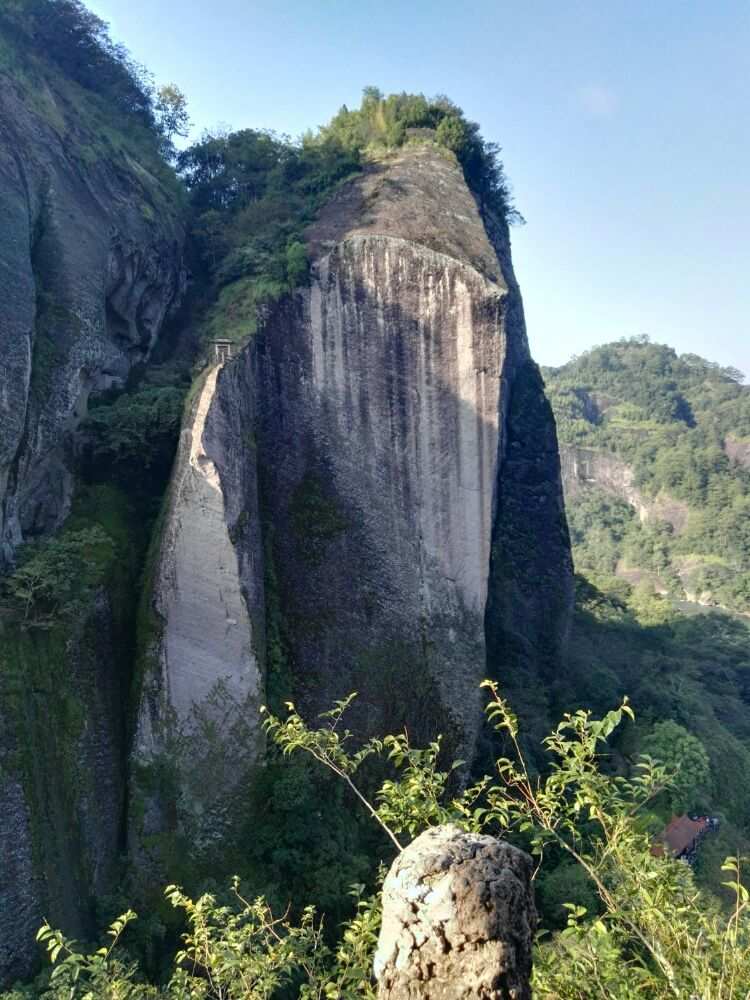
(408, 485)
(90, 267)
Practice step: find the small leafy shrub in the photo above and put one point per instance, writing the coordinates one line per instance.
(649, 934)
(53, 578)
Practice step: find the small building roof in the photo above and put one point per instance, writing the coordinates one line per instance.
(682, 832)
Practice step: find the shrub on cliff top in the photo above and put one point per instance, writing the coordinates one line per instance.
(253, 192)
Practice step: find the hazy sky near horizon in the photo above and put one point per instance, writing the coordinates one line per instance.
(624, 125)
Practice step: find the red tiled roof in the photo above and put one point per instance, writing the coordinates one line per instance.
(682, 832)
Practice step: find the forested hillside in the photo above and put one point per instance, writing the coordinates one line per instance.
(673, 511)
(655, 454)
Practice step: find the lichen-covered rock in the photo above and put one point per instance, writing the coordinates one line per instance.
(90, 266)
(458, 920)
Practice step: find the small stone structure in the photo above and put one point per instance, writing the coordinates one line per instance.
(458, 920)
(222, 351)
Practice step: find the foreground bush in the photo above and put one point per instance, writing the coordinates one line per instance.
(654, 935)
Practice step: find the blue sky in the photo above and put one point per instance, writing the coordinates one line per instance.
(625, 128)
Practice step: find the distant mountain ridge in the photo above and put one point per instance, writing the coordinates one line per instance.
(655, 449)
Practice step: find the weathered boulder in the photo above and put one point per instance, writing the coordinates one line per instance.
(458, 920)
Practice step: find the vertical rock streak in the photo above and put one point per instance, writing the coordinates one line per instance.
(207, 635)
(406, 349)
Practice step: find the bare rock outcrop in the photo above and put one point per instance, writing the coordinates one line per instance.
(90, 267)
(391, 436)
(204, 672)
(586, 467)
(458, 920)
(384, 394)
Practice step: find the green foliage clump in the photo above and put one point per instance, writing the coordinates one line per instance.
(131, 440)
(650, 932)
(686, 758)
(384, 123)
(669, 418)
(69, 35)
(54, 577)
(253, 193)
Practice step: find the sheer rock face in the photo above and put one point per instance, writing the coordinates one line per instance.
(373, 409)
(458, 920)
(90, 265)
(203, 688)
(383, 398)
(62, 779)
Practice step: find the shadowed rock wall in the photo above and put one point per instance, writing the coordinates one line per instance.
(90, 265)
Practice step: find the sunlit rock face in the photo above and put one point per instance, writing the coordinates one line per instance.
(383, 396)
(381, 403)
(203, 686)
(369, 490)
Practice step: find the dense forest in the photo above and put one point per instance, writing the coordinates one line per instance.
(682, 425)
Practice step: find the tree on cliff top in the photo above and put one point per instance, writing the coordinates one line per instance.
(78, 42)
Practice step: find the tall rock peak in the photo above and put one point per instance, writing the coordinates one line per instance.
(379, 404)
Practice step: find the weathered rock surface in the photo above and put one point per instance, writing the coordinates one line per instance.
(401, 483)
(382, 395)
(584, 467)
(62, 778)
(203, 686)
(458, 920)
(738, 450)
(90, 265)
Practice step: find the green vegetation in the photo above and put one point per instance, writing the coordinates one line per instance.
(54, 578)
(254, 192)
(131, 440)
(100, 102)
(67, 34)
(688, 672)
(672, 420)
(649, 931)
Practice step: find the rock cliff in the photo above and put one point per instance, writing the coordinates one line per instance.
(406, 470)
(586, 467)
(90, 265)
(203, 686)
